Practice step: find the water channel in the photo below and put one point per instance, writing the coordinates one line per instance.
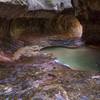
(83, 58)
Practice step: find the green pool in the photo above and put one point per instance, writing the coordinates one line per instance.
(84, 58)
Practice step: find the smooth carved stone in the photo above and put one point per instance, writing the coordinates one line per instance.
(27, 51)
(69, 26)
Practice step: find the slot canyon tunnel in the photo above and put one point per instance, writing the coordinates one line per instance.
(49, 54)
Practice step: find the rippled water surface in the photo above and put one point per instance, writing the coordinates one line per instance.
(81, 58)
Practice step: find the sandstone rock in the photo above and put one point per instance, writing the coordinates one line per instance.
(48, 81)
(27, 51)
(92, 34)
(4, 57)
(66, 26)
(69, 26)
(94, 5)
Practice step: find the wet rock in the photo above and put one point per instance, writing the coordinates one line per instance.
(71, 43)
(84, 98)
(47, 81)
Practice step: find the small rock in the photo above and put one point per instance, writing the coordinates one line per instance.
(84, 98)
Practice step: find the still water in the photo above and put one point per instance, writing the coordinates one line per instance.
(84, 58)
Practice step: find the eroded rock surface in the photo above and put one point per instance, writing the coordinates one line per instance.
(34, 75)
(46, 80)
(66, 26)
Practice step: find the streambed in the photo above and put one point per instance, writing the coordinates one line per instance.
(83, 58)
(41, 78)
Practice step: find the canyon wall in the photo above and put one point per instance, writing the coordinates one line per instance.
(51, 23)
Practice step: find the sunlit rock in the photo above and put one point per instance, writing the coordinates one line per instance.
(30, 53)
(27, 51)
(62, 26)
(69, 26)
